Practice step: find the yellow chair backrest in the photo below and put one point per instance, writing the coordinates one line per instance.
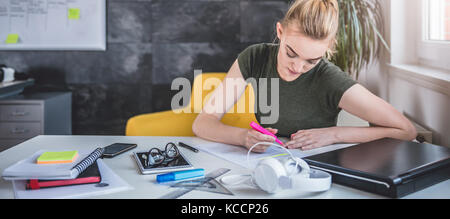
(205, 84)
(240, 115)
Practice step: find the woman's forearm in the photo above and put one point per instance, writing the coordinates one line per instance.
(366, 134)
(210, 128)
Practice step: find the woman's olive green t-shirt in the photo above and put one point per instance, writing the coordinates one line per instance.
(311, 101)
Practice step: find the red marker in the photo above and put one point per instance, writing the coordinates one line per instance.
(258, 128)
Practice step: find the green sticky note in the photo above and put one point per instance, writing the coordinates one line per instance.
(73, 13)
(57, 157)
(12, 39)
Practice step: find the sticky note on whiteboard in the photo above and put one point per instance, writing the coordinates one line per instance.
(12, 38)
(73, 13)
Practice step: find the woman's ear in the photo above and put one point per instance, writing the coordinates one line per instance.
(279, 30)
(331, 48)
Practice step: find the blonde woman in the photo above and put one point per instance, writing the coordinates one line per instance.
(312, 91)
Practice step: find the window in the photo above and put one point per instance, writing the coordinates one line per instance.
(437, 20)
(433, 44)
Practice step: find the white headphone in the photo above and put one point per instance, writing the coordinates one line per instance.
(272, 175)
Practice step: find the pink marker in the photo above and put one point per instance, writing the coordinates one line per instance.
(258, 128)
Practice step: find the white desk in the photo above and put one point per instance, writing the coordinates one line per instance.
(145, 186)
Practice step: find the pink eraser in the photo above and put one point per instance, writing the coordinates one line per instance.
(258, 128)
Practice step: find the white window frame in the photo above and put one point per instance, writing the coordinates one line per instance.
(414, 58)
(432, 53)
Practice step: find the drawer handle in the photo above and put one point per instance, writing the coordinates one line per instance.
(17, 113)
(19, 131)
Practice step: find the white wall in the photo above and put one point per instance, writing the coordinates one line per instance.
(426, 106)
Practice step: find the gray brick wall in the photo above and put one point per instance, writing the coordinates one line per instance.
(150, 43)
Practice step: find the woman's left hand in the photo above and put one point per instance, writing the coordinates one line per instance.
(312, 138)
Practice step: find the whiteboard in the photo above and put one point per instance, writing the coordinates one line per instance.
(52, 25)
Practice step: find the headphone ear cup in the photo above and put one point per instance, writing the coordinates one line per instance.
(296, 166)
(267, 174)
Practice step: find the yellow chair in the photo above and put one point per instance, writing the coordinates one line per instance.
(179, 122)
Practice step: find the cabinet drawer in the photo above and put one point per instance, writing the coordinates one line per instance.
(21, 113)
(18, 130)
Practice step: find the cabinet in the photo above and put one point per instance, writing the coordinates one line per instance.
(25, 116)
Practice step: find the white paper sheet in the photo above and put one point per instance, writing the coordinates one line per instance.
(238, 155)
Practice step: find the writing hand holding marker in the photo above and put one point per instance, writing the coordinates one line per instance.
(253, 136)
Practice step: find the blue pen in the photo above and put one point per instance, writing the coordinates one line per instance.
(186, 174)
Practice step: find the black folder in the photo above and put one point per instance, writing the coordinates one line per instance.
(388, 167)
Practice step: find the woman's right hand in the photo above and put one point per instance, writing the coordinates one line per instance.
(253, 137)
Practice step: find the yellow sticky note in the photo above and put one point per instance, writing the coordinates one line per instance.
(12, 38)
(57, 157)
(73, 13)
